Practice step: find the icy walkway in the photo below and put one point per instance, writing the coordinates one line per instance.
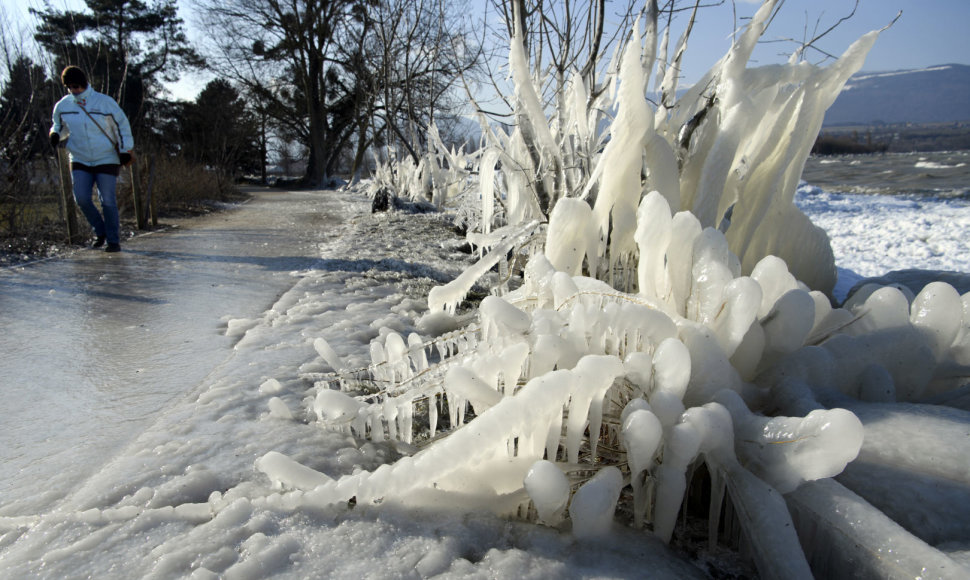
(95, 345)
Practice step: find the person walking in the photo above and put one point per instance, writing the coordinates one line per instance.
(98, 137)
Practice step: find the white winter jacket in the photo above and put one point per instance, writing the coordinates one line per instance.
(86, 143)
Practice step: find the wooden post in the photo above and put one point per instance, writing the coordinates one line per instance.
(137, 201)
(67, 195)
(149, 192)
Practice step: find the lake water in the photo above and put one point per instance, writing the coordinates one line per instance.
(939, 174)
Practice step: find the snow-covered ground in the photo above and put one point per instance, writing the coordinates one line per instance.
(185, 500)
(920, 220)
(875, 234)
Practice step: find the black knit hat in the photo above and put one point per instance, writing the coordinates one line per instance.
(73, 75)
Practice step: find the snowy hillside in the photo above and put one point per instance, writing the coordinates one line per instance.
(939, 94)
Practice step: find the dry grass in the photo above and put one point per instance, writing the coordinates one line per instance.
(32, 221)
(174, 186)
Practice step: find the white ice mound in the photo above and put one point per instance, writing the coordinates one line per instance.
(501, 318)
(571, 235)
(285, 472)
(548, 487)
(935, 313)
(334, 407)
(788, 451)
(463, 383)
(591, 509)
(641, 436)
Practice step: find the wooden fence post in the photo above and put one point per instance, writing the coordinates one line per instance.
(67, 195)
(137, 201)
(150, 210)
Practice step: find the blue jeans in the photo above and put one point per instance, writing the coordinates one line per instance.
(107, 226)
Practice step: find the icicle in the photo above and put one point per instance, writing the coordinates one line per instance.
(455, 402)
(447, 297)
(672, 367)
(661, 162)
(499, 318)
(328, 354)
(653, 237)
(376, 422)
(932, 313)
(710, 274)
(486, 366)
(619, 188)
(486, 170)
(284, 471)
(433, 413)
(335, 407)
(465, 385)
(680, 447)
(789, 322)
(397, 357)
(711, 370)
(594, 375)
(641, 437)
(405, 414)
(882, 309)
(378, 358)
(684, 229)
(772, 274)
(783, 143)
(880, 547)
(740, 301)
(563, 289)
(532, 120)
(511, 365)
(416, 352)
(571, 236)
(389, 413)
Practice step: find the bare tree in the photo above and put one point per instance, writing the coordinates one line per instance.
(26, 97)
(127, 47)
(287, 55)
(421, 50)
(403, 62)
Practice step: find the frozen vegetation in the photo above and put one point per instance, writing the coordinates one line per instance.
(675, 322)
(659, 332)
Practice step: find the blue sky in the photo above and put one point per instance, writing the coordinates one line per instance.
(929, 32)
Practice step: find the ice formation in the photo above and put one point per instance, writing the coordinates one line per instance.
(655, 380)
(669, 322)
(548, 487)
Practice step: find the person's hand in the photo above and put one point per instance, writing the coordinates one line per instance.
(125, 158)
(55, 139)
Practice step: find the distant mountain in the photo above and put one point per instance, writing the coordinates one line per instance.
(939, 94)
